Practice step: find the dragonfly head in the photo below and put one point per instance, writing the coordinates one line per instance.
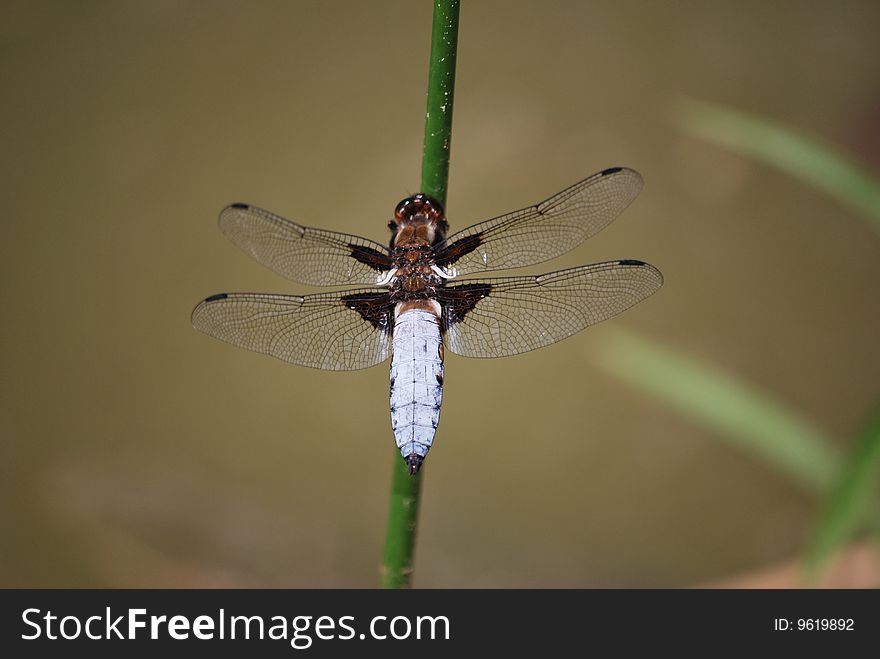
(422, 216)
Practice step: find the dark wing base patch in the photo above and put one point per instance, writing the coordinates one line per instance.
(458, 301)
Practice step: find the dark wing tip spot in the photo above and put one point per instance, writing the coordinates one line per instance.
(631, 262)
(219, 296)
(611, 170)
(240, 205)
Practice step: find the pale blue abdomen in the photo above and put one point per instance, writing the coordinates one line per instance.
(416, 383)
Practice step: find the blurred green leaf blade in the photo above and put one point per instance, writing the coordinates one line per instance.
(821, 166)
(848, 503)
(749, 420)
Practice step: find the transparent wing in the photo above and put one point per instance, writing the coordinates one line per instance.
(510, 315)
(342, 331)
(544, 231)
(309, 256)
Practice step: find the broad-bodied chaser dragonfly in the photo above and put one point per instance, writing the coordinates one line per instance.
(414, 305)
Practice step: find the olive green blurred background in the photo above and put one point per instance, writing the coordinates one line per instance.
(135, 451)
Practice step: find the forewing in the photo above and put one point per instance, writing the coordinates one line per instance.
(309, 256)
(543, 231)
(511, 315)
(342, 331)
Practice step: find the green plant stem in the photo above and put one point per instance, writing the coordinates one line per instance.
(403, 513)
(441, 90)
(403, 518)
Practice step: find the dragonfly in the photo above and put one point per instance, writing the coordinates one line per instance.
(411, 304)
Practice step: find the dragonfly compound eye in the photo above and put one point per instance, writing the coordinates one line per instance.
(418, 205)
